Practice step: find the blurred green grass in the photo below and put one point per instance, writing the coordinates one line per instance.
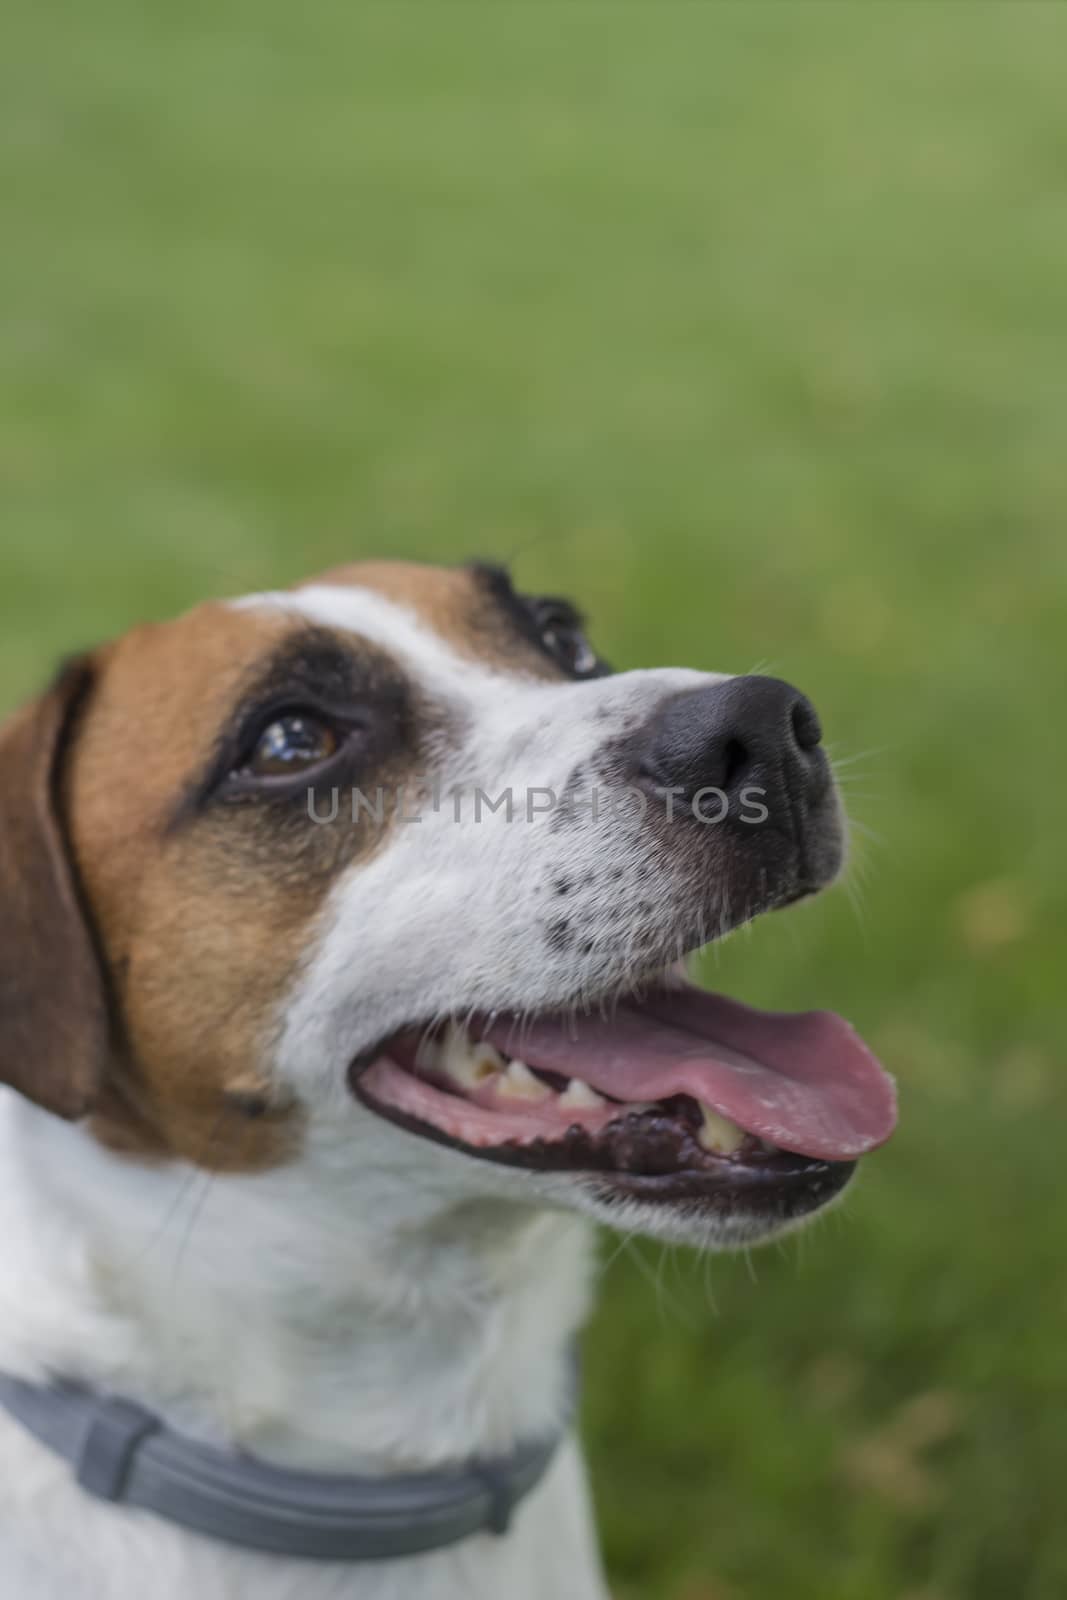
(746, 324)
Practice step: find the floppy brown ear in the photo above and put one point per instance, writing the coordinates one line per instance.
(53, 1007)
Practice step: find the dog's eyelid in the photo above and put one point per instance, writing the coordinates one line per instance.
(549, 609)
(346, 718)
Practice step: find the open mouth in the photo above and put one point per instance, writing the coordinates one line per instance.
(681, 1095)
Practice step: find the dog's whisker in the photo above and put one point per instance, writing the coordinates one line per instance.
(185, 1187)
(194, 1218)
(868, 833)
(858, 756)
(855, 900)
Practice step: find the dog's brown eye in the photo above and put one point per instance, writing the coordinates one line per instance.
(290, 746)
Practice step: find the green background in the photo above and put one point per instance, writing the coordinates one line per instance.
(745, 323)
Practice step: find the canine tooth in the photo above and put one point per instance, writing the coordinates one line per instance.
(718, 1134)
(466, 1063)
(579, 1095)
(486, 1061)
(519, 1083)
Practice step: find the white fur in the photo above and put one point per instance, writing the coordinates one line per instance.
(293, 1316)
(382, 1304)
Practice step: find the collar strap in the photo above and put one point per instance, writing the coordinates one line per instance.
(126, 1455)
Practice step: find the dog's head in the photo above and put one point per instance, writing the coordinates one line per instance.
(390, 873)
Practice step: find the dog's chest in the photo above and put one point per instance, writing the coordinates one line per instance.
(56, 1543)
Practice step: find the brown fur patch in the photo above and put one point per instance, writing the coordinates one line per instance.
(206, 898)
(204, 920)
(194, 965)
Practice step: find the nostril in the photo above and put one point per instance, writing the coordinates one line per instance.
(734, 761)
(807, 729)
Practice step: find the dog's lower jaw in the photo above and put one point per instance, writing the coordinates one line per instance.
(313, 1341)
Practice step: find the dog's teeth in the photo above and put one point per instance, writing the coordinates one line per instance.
(468, 1064)
(486, 1061)
(519, 1083)
(718, 1134)
(579, 1096)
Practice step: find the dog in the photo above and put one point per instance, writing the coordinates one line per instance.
(340, 997)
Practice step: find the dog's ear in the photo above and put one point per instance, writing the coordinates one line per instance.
(54, 1021)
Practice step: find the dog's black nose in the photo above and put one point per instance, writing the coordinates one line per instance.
(748, 734)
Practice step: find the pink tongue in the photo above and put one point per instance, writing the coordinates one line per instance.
(805, 1081)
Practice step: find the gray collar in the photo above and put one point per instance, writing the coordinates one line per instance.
(124, 1454)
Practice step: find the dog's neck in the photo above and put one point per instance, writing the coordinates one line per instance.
(266, 1313)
